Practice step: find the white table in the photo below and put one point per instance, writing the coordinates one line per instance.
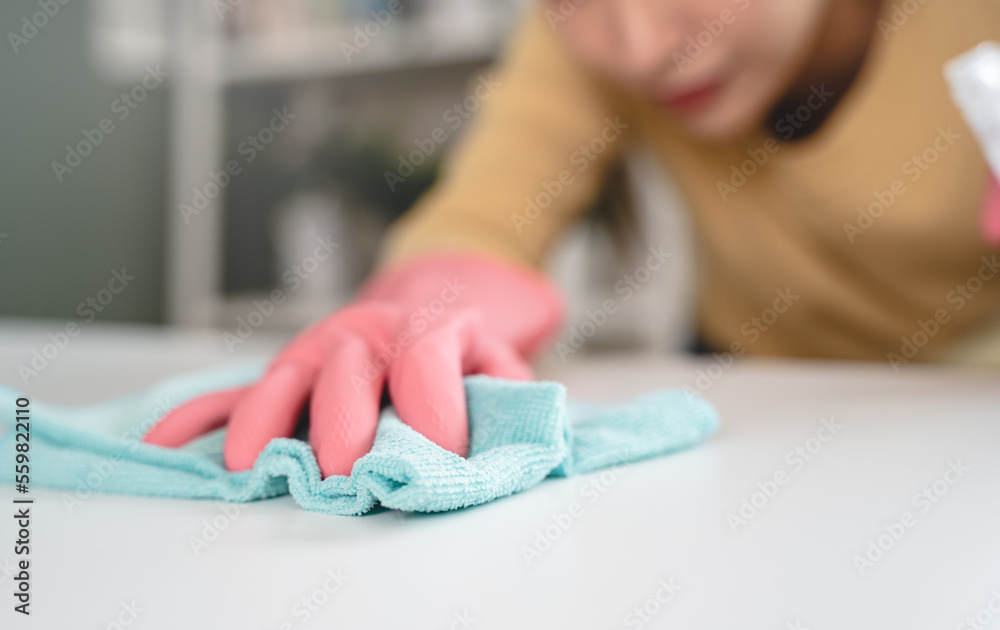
(790, 566)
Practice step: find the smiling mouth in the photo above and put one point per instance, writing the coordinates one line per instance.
(694, 99)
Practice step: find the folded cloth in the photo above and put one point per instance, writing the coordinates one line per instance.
(520, 433)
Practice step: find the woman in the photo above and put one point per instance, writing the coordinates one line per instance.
(814, 141)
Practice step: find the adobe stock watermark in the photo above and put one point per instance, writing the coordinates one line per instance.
(591, 492)
(642, 614)
(127, 615)
(461, 620)
(914, 168)
(796, 459)
(581, 158)
(924, 501)
(332, 581)
(625, 289)
(212, 529)
(42, 357)
(455, 116)
(30, 27)
(123, 106)
(417, 323)
(249, 149)
(225, 7)
(785, 127)
(293, 278)
(714, 28)
(984, 616)
(100, 471)
(561, 13)
(898, 17)
(365, 33)
(957, 298)
(752, 330)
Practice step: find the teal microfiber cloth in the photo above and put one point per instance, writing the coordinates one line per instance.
(520, 433)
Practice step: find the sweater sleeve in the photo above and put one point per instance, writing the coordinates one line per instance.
(531, 161)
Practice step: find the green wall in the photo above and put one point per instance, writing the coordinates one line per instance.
(63, 239)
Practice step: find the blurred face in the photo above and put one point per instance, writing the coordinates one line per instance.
(718, 65)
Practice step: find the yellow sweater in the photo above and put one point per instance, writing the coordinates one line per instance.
(866, 232)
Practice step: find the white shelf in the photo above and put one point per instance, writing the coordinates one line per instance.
(203, 58)
(319, 54)
(294, 314)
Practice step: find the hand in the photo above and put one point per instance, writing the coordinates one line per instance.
(419, 328)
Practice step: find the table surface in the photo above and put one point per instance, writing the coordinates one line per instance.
(654, 545)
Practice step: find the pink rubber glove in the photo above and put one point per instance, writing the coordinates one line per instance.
(420, 327)
(991, 214)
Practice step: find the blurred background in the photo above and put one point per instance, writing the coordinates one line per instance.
(220, 150)
(190, 87)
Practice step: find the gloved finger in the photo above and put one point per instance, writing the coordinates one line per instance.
(500, 360)
(425, 384)
(269, 409)
(990, 221)
(345, 403)
(194, 418)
